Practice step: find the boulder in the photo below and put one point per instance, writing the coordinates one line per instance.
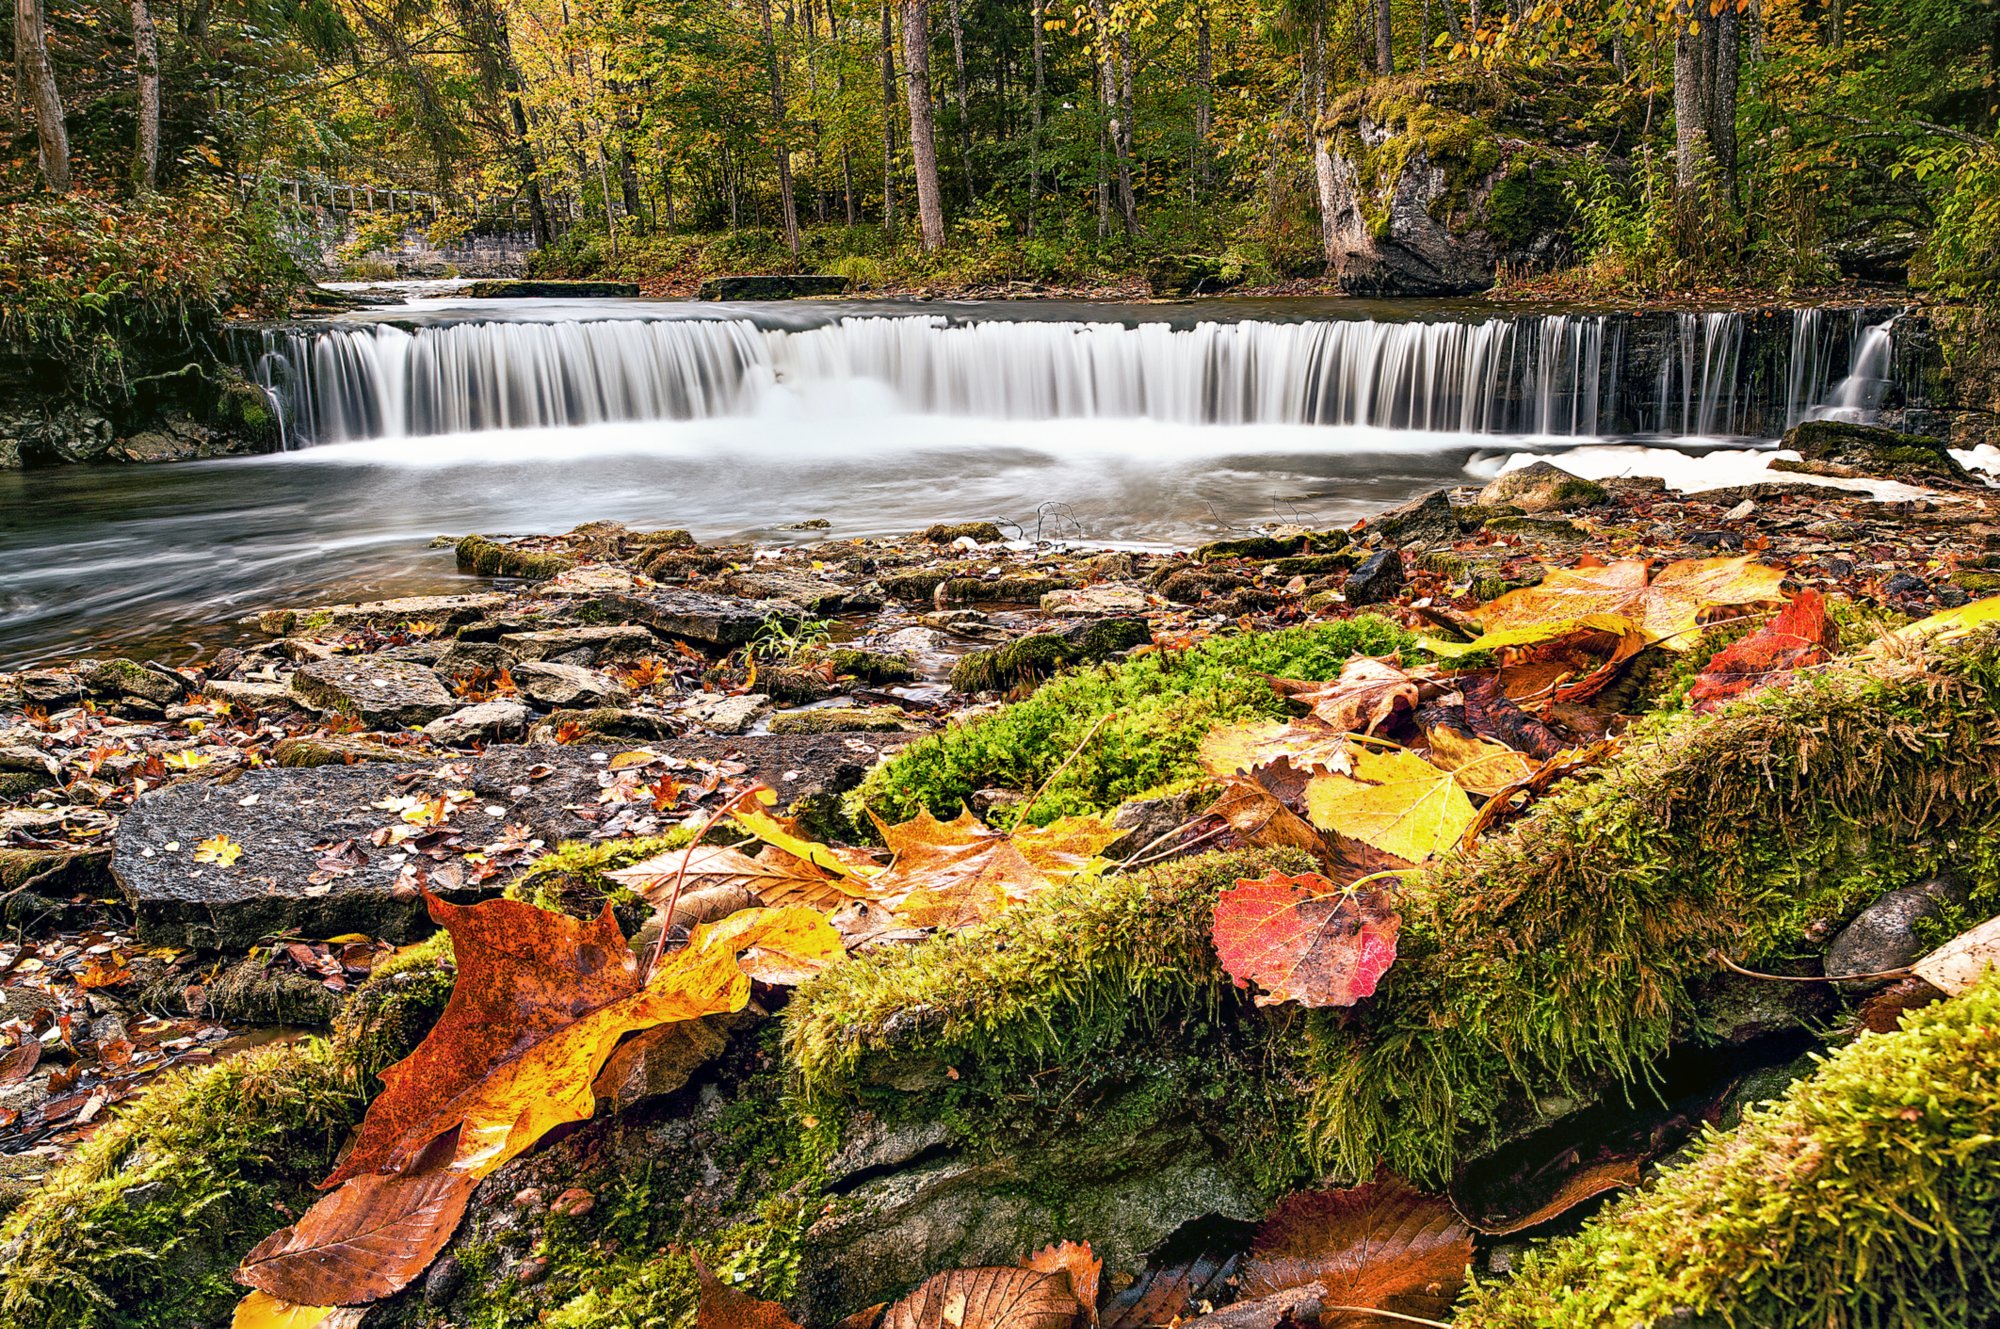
(382, 694)
(1376, 581)
(840, 719)
(283, 819)
(1884, 935)
(622, 641)
(814, 595)
(1540, 487)
(1094, 601)
(447, 611)
(488, 721)
(1428, 520)
(709, 620)
(1838, 448)
(122, 678)
(547, 683)
(721, 714)
(251, 695)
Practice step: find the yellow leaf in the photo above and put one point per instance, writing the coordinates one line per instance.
(218, 849)
(955, 873)
(782, 833)
(1669, 606)
(626, 761)
(1480, 765)
(1395, 801)
(188, 760)
(261, 1310)
(1240, 749)
(1948, 625)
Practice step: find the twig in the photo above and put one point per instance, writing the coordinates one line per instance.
(1203, 838)
(1736, 968)
(1326, 1306)
(1073, 754)
(687, 856)
(1165, 836)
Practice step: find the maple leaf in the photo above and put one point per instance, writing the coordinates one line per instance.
(362, 1242)
(1798, 637)
(1669, 606)
(959, 872)
(1079, 1263)
(1305, 939)
(1395, 801)
(1239, 749)
(540, 1001)
(993, 1298)
(218, 849)
(773, 876)
(1367, 695)
(783, 833)
(1382, 1245)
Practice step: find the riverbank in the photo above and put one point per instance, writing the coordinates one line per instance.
(207, 856)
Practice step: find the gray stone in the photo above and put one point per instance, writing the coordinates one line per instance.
(447, 611)
(1145, 820)
(1093, 601)
(383, 694)
(1376, 581)
(129, 678)
(1428, 520)
(621, 641)
(549, 684)
(721, 714)
(1539, 488)
(711, 620)
(815, 595)
(1883, 936)
(1737, 1010)
(281, 817)
(471, 657)
(488, 721)
(251, 695)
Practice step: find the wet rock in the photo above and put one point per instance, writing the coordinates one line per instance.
(447, 611)
(840, 719)
(488, 721)
(1876, 452)
(491, 558)
(1145, 820)
(1906, 583)
(1376, 581)
(613, 722)
(711, 620)
(814, 595)
(1884, 935)
(283, 817)
(1094, 601)
(721, 714)
(944, 533)
(621, 641)
(1541, 487)
(463, 658)
(1736, 1009)
(549, 684)
(383, 694)
(122, 678)
(783, 286)
(1428, 520)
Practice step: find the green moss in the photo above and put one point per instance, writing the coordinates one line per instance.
(1028, 660)
(1165, 702)
(1868, 1195)
(943, 533)
(840, 719)
(1265, 546)
(1976, 583)
(489, 558)
(142, 1227)
(1547, 528)
(574, 877)
(868, 666)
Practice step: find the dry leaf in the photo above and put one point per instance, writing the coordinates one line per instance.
(1305, 939)
(723, 1307)
(1958, 964)
(1309, 744)
(1395, 801)
(1368, 694)
(1480, 765)
(993, 1298)
(218, 849)
(1260, 817)
(1669, 606)
(774, 876)
(260, 1310)
(1080, 1263)
(1382, 1244)
(1573, 1188)
(960, 872)
(1797, 638)
(1947, 625)
(362, 1242)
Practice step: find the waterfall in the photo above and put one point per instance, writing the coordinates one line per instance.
(1552, 375)
(1859, 395)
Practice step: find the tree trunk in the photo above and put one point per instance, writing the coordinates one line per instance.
(1724, 70)
(958, 86)
(847, 183)
(1204, 101)
(1451, 21)
(1035, 118)
(1128, 205)
(1690, 118)
(1385, 54)
(146, 56)
(628, 184)
(923, 121)
(888, 129)
(667, 198)
(1324, 182)
(38, 80)
(782, 149)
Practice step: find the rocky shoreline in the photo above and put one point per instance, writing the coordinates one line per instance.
(194, 856)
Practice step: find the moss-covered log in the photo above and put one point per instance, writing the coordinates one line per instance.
(1867, 1195)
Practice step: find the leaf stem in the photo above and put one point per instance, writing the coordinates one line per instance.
(680, 878)
(1326, 1306)
(1074, 753)
(1736, 968)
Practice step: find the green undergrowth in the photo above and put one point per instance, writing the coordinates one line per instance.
(1555, 960)
(143, 1226)
(574, 877)
(1867, 1195)
(1164, 703)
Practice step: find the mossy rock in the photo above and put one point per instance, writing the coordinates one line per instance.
(868, 666)
(1030, 659)
(1867, 1194)
(1266, 546)
(840, 720)
(489, 558)
(944, 533)
(306, 750)
(1875, 451)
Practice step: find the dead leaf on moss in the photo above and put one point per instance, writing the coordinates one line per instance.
(959, 872)
(991, 1298)
(1669, 606)
(1961, 962)
(1563, 1192)
(1258, 814)
(1306, 939)
(1368, 694)
(1382, 1244)
(1480, 765)
(261, 1310)
(774, 876)
(1309, 744)
(1395, 801)
(362, 1242)
(1797, 638)
(720, 1306)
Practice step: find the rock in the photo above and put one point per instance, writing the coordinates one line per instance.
(721, 714)
(69, 434)
(549, 684)
(621, 641)
(55, 872)
(611, 721)
(710, 620)
(1735, 1009)
(306, 751)
(1876, 452)
(1541, 487)
(1095, 600)
(463, 657)
(1883, 936)
(774, 286)
(282, 817)
(447, 611)
(129, 678)
(1145, 820)
(814, 595)
(1377, 581)
(944, 533)
(251, 695)
(382, 694)
(489, 721)
(1906, 583)
(840, 719)
(1428, 520)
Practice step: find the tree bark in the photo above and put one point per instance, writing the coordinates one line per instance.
(923, 120)
(1204, 101)
(38, 80)
(1385, 54)
(1035, 118)
(782, 149)
(1690, 119)
(958, 86)
(1128, 205)
(888, 128)
(1325, 185)
(146, 56)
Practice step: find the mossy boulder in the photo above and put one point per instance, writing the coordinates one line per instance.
(1039, 655)
(490, 558)
(1870, 450)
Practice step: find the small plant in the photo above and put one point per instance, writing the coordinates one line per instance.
(777, 640)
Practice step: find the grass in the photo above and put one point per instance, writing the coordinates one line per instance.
(1867, 1195)
(1165, 702)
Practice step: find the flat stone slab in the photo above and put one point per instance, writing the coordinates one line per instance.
(383, 694)
(511, 289)
(711, 620)
(776, 286)
(1091, 601)
(284, 821)
(607, 642)
(448, 611)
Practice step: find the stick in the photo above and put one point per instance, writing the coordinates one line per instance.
(1161, 839)
(1074, 753)
(1736, 968)
(687, 856)
(1387, 1315)
(1203, 838)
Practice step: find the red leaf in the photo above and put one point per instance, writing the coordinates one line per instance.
(1305, 939)
(1799, 637)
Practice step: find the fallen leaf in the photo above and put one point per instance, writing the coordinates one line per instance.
(991, 1298)
(1669, 606)
(720, 1306)
(1480, 765)
(959, 872)
(1172, 1292)
(1079, 1263)
(218, 849)
(784, 833)
(260, 1310)
(1797, 638)
(1955, 966)
(1368, 694)
(18, 1063)
(1308, 744)
(773, 876)
(1306, 939)
(1260, 816)
(1946, 625)
(1381, 1244)
(362, 1242)
(1572, 1188)
(1395, 801)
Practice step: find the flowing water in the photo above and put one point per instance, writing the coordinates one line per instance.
(1111, 424)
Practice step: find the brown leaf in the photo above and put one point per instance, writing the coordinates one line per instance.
(1309, 744)
(1259, 816)
(363, 1242)
(1381, 1244)
(991, 1298)
(1305, 939)
(721, 1306)
(1079, 1262)
(773, 877)
(960, 872)
(1368, 694)
(1883, 1012)
(1797, 638)
(1167, 1295)
(19, 1063)
(1571, 1188)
